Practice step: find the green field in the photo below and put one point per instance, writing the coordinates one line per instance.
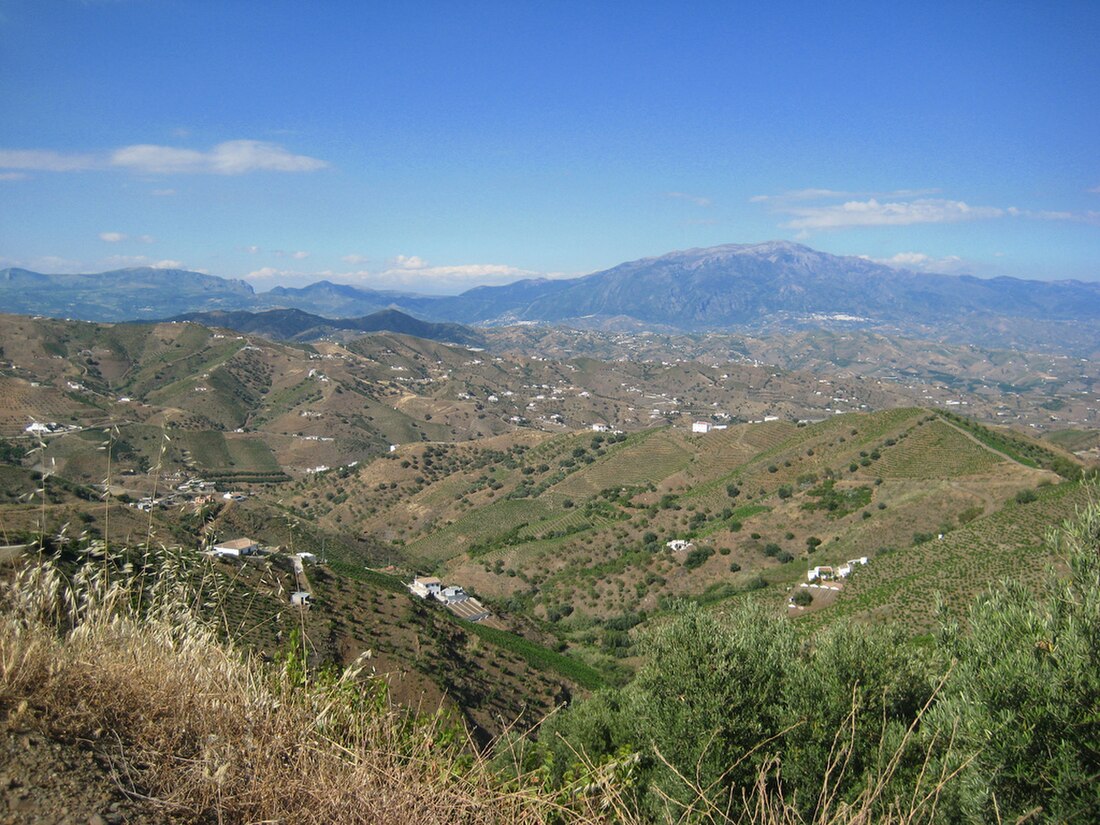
(213, 450)
(905, 584)
(480, 525)
(539, 657)
(646, 461)
(936, 450)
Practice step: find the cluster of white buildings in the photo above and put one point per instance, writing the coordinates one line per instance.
(429, 587)
(193, 491)
(48, 427)
(826, 573)
(706, 427)
(453, 597)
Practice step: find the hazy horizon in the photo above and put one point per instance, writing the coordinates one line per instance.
(434, 147)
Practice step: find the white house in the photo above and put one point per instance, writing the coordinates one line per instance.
(846, 569)
(821, 572)
(678, 544)
(301, 598)
(235, 548)
(700, 427)
(426, 586)
(599, 428)
(452, 594)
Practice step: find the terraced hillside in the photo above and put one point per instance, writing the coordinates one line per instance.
(908, 584)
(574, 529)
(571, 495)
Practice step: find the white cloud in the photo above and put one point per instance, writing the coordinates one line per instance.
(698, 200)
(895, 213)
(355, 260)
(409, 262)
(299, 256)
(45, 160)
(164, 193)
(232, 157)
(267, 273)
(833, 194)
(118, 237)
(1091, 217)
(414, 273)
(126, 261)
(905, 259)
(46, 263)
(13, 176)
(1095, 190)
(920, 262)
(254, 250)
(407, 273)
(899, 208)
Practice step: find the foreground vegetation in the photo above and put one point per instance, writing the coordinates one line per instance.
(733, 717)
(995, 721)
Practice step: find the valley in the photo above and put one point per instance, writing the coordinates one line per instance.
(580, 493)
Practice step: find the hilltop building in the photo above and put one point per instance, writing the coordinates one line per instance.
(426, 586)
(235, 548)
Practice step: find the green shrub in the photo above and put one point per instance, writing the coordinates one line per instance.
(698, 557)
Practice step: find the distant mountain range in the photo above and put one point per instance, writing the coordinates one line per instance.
(119, 295)
(718, 288)
(296, 325)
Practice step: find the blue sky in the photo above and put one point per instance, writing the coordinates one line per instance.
(435, 146)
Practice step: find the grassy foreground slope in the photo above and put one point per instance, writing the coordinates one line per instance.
(733, 719)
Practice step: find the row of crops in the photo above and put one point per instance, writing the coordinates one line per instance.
(1008, 544)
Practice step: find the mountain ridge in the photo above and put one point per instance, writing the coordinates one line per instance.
(696, 290)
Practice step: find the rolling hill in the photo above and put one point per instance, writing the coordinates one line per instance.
(296, 325)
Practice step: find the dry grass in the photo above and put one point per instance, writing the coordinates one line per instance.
(211, 733)
(119, 658)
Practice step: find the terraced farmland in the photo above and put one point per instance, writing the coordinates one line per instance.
(479, 526)
(213, 450)
(646, 462)
(904, 585)
(20, 403)
(720, 452)
(936, 450)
